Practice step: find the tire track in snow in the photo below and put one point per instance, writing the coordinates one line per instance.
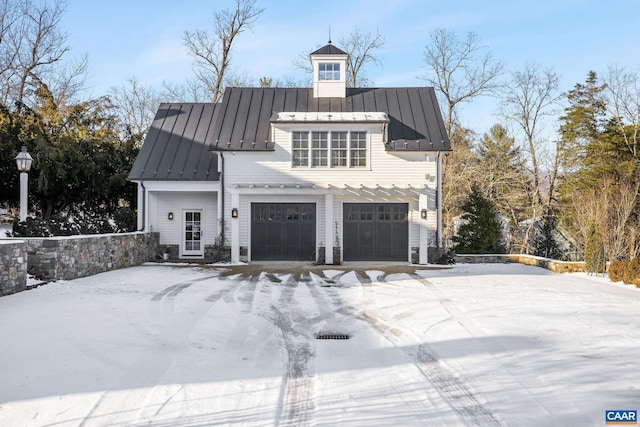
(459, 397)
(296, 404)
(328, 298)
(449, 385)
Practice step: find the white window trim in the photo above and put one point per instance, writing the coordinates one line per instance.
(330, 150)
(333, 72)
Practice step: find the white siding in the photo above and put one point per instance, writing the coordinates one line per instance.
(161, 203)
(384, 168)
(266, 171)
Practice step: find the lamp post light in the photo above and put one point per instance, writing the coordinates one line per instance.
(23, 161)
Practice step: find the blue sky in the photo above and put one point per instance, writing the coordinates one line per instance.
(142, 38)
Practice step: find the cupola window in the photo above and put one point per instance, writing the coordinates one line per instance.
(329, 71)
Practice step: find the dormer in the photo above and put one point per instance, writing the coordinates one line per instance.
(329, 72)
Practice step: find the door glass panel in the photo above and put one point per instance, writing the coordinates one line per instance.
(193, 233)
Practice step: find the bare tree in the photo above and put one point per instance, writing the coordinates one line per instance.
(530, 97)
(69, 80)
(212, 50)
(36, 44)
(622, 93)
(459, 70)
(361, 49)
(623, 96)
(460, 168)
(136, 105)
(191, 91)
(9, 17)
(267, 81)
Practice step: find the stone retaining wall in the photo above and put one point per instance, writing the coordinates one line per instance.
(13, 266)
(70, 257)
(548, 263)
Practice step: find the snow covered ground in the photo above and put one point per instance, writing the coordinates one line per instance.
(160, 345)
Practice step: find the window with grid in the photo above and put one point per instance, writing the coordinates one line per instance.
(339, 149)
(358, 149)
(329, 71)
(335, 149)
(300, 149)
(319, 149)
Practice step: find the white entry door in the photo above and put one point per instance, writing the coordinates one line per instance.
(192, 234)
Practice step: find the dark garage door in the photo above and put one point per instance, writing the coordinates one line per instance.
(283, 231)
(376, 231)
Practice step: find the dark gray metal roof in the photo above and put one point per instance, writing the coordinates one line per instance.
(329, 50)
(176, 147)
(415, 121)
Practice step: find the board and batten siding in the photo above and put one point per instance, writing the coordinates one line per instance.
(161, 203)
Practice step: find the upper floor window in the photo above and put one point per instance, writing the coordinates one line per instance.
(329, 71)
(300, 149)
(335, 149)
(358, 149)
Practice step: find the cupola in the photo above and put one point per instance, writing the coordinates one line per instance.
(329, 72)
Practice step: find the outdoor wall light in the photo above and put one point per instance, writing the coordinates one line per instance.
(423, 214)
(234, 213)
(170, 216)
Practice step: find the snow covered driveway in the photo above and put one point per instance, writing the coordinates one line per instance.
(485, 345)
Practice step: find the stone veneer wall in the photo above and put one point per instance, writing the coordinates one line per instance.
(548, 263)
(13, 266)
(69, 257)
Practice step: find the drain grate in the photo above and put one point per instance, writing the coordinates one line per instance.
(331, 336)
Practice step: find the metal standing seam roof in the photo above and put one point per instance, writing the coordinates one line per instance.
(183, 138)
(176, 147)
(244, 118)
(329, 49)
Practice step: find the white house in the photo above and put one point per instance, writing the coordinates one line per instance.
(324, 174)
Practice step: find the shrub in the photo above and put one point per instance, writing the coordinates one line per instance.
(123, 220)
(446, 258)
(617, 269)
(631, 274)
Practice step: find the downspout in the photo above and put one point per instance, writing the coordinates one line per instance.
(222, 220)
(439, 200)
(144, 206)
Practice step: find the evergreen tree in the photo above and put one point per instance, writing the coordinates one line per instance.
(480, 230)
(545, 244)
(503, 173)
(583, 121)
(80, 162)
(601, 182)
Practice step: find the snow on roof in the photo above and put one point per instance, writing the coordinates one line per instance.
(344, 117)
